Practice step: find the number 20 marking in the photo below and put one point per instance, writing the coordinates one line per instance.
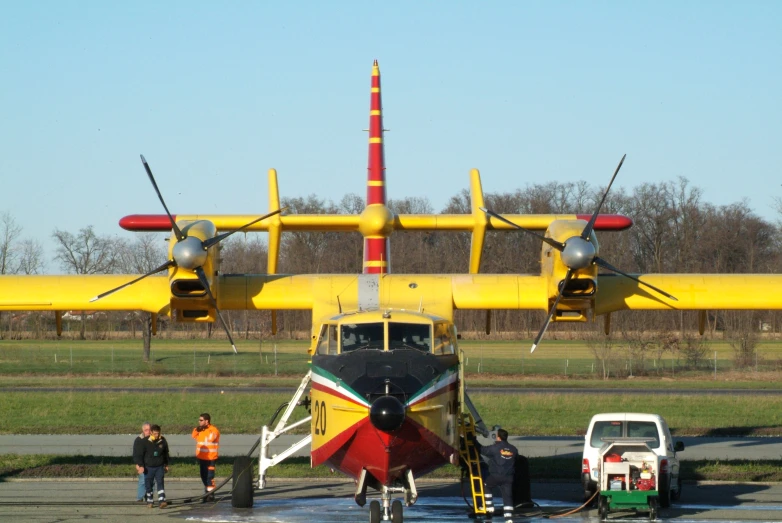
(320, 418)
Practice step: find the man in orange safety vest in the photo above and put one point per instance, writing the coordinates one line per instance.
(207, 443)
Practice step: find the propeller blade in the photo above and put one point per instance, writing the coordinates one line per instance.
(552, 311)
(177, 232)
(220, 237)
(604, 264)
(202, 278)
(554, 243)
(169, 263)
(588, 229)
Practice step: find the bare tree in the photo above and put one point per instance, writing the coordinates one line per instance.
(9, 235)
(602, 348)
(85, 253)
(245, 254)
(141, 256)
(742, 334)
(30, 260)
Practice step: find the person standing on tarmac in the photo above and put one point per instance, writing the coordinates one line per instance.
(154, 459)
(207, 438)
(137, 444)
(501, 461)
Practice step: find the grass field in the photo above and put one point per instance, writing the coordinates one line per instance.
(203, 357)
(534, 414)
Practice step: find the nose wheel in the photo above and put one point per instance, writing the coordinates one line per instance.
(374, 511)
(392, 512)
(396, 511)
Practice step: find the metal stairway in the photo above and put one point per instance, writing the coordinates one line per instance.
(472, 459)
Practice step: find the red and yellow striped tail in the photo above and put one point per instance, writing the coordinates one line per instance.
(376, 246)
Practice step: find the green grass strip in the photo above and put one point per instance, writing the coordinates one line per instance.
(538, 414)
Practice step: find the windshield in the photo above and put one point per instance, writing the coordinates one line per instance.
(409, 336)
(362, 336)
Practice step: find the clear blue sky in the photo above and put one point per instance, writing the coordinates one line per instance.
(214, 94)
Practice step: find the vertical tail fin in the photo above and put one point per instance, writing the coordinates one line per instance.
(376, 247)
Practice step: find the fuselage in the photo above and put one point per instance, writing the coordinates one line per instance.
(385, 392)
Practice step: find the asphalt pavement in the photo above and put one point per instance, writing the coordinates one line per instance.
(326, 501)
(231, 445)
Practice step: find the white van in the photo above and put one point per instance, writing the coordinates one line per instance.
(651, 427)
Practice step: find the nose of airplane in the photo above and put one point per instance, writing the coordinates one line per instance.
(387, 413)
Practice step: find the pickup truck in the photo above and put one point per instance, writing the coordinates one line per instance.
(650, 427)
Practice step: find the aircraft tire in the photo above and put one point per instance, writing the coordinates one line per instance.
(396, 511)
(242, 494)
(374, 511)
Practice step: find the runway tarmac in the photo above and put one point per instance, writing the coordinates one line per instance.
(327, 501)
(297, 501)
(748, 448)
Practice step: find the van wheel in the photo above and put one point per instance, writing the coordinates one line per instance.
(665, 492)
(588, 496)
(677, 494)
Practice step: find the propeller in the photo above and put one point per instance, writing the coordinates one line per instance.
(577, 253)
(189, 252)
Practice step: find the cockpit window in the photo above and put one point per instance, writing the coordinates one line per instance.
(443, 343)
(327, 341)
(362, 336)
(409, 336)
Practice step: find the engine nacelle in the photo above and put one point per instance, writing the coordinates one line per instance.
(189, 298)
(578, 296)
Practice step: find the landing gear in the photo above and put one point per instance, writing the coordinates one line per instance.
(391, 513)
(386, 509)
(396, 511)
(374, 511)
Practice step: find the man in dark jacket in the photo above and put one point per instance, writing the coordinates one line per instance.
(501, 461)
(137, 445)
(154, 458)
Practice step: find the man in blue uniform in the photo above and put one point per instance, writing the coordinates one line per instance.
(501, 460)
(154, 457)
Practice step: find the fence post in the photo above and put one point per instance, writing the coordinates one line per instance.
(715, 364)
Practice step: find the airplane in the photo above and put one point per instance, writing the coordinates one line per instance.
(386, 389)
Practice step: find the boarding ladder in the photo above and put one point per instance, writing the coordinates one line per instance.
(472, 458)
